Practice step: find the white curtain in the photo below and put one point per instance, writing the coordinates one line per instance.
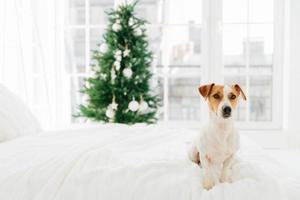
(16, 36)
(31, 44)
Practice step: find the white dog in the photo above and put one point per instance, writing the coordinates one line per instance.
(216, 145)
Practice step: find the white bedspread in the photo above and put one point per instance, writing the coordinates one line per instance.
(120, 163)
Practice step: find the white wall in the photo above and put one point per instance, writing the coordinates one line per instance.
(293, 75)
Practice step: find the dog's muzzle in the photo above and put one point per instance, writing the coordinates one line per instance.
(226, 110)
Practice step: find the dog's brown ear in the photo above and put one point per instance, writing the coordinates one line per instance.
(240, 91)
(205, 90)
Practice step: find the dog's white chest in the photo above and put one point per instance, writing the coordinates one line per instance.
(218, 146)
(219, 152)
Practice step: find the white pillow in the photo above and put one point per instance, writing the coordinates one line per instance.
(15, 117)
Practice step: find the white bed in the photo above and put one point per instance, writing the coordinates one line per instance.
(110, 162)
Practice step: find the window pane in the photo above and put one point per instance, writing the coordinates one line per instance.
(240, 114)
(179, 12)
(96, 38)
(182, 48)
(154, 37)
(258, 10)
(77, 11)
(184, 99)
(261, 48)
(98, 9)
(150, 10)
(75, 51)
(235, 11)
(261, 10)
(261, 98)
(184, 71)
(234, 48)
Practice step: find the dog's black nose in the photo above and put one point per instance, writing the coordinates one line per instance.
(226, 111)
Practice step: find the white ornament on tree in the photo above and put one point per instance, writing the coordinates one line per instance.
(117, 64)
(116, 27)
(133, 105)
(131, 21)
(110, 113)
(126, 52)
(113, 75)
(114, 105)
(118, 53)
(143, 106)
(127, 72)
(111, 108)
(103, 47)
(118, 58)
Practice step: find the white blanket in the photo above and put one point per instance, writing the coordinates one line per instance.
(120, 163)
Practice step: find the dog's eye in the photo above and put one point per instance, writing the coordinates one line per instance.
(233, 97)
(216, 96)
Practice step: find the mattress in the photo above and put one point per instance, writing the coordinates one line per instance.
(111, 162)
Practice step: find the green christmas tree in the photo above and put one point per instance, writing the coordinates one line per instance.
(119, 87)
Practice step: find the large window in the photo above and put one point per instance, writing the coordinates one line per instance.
(193, 41)
(249, 55)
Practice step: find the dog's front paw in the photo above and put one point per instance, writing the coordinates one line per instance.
(208, 183)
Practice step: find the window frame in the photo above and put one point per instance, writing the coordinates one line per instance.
(211, 68)
(213, 18)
